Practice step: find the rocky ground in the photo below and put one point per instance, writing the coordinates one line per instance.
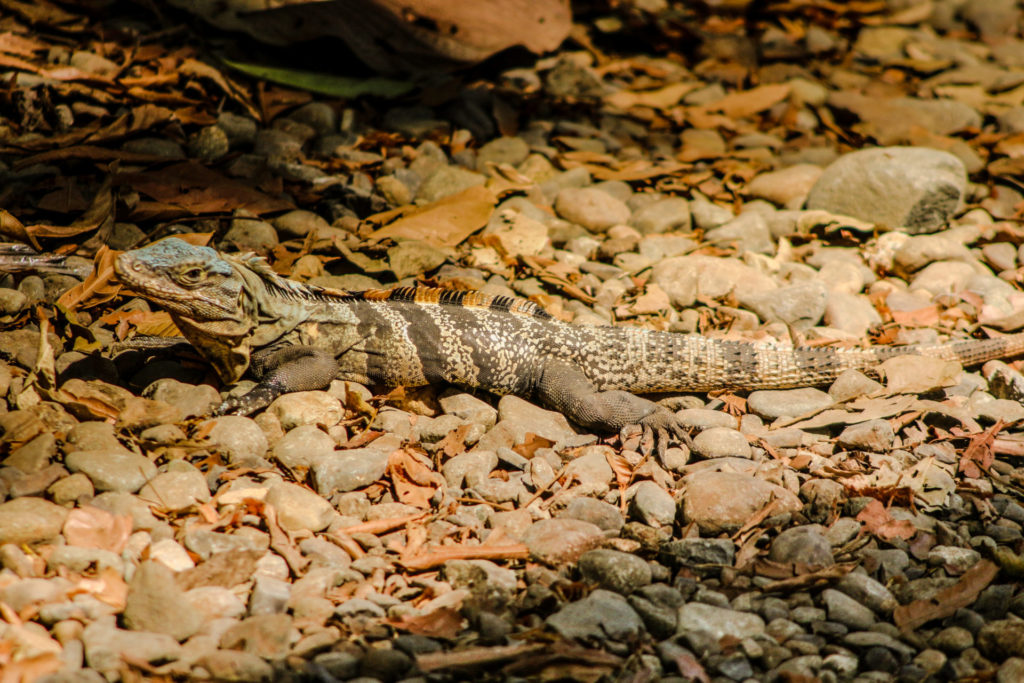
(837, 173)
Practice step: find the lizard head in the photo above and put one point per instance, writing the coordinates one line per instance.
(189, 281)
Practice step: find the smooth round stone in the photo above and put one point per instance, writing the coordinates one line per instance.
(775, 403)
(298, 508)
(240, 438)
(615, 570)
(911, 187)
(721, 442)
(593, 209)
(112, 470)
(802, 544)
(561, 540)
(29, 520)
(725, 501)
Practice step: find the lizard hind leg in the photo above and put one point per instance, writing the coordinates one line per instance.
(293, 368)
(563, 387)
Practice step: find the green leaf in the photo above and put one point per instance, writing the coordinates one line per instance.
(324, 84)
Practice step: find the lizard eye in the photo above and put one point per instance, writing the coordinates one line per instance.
(192, 275)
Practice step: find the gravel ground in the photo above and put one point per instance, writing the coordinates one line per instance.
(859, 180)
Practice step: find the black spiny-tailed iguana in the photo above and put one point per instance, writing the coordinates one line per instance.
(242, 316)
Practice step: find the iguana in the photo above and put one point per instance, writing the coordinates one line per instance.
(241, 316)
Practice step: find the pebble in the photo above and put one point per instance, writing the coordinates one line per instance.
(303, 446)
(600, 616)
(787, 187)
(112, 470)
(600, 514)
(663, 215)
(562, 540)
(239, 438)
(593, 209)
(613, 570)
(348, 470)
(721, 442)
(776, 403)
(299, 508)
(652, 505)
(156, 604)
(704, 626)
(175, 491)
(307, 408)
(803, 545)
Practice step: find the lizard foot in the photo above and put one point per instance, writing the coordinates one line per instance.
(660, 428)
(246, 404)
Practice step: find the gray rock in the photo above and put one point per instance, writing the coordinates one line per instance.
(29, 520)
(298, 508)
(602, 615)
(269, 595)
(503, 150)
(176, 491)
(955, 560)
(300, 223)
(348, 470)
(492, 588)
(1002, 638)
(721, 442)
(206, 544)
(852, 313)
(446, 181)
(703, 418)
(593, 209)
(307, 408)
(801, 305)
(690, 552)
(469, 469)
(156, 604)
(873, 435)
(603, 515)
(302, 446)
(250, 234)
(523, 417)
(773, 404)
(614, 570)
(112, 470)
(239, 438)
(104, 645)
(845, 610)
(852, 384)
(749, 231)
(658, 606)
(470, 409)
(231, 665)
(868, 592)
(703, 626)
(652, 505)
(93, 436)
(915, 188)
(725, 501)
(802, 544)
(664, 215)
(952, 640)
(561, 540)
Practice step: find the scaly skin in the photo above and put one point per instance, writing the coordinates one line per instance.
(242, 316)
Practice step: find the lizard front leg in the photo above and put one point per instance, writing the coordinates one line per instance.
(279, 371)
(563, 387)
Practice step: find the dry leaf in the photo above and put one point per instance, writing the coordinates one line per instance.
(948, 600)
(446, 222)
(414, 483)
(441, 623)
(877, 520)
(918, 374)
(978, 456)
(91, 527)
(741, 104)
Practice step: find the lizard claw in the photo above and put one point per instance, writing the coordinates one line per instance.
(660, 428)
